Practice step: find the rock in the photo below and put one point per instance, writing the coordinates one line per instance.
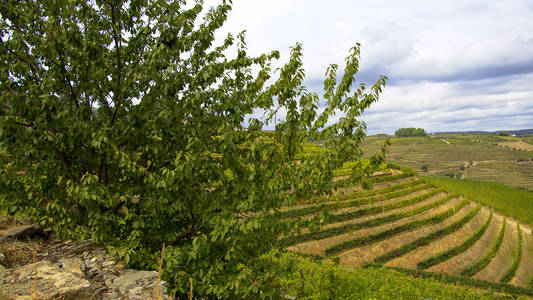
(2, 259)
(49, 279)
(22, 232)
(74, 270)
(72, 265)
(137, 284)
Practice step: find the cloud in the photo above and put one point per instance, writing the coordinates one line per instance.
(452, 65)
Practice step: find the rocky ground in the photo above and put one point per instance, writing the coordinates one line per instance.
(34, 264)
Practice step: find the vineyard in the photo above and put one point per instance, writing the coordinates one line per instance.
(410, 225)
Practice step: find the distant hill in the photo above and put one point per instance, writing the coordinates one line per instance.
(519, 131)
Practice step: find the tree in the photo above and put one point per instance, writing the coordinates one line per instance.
(123, 122)
(411, 131)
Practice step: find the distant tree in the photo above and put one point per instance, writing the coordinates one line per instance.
(502, 133)
(411, 131)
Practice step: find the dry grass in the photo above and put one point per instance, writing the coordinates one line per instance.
(503, 259)
(454, 239)
(356, 257)
(457, 263)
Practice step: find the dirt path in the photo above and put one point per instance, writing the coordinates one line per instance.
(444, 243)
(318, 247)
(524, 273)
(355, 257)
(477, 251)
(503, 259)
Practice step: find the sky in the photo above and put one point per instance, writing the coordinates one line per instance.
(452, 65)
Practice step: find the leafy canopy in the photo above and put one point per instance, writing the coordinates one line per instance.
(411, 131)
(124, 122)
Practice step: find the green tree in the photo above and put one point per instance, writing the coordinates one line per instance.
(411, 131)
(123, 122)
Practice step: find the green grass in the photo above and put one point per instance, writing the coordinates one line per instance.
(513, 202)
(303, 278)
(514, 290)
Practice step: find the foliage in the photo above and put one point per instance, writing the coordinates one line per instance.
(454, 251)
(411, 131)
(356, 242)
(517, 254)
(307, 279)
(443, 277)
(125, 123)
(485, 260)
(507, 200)
(427, 239)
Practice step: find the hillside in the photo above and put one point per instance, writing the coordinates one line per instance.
(413, 226)
(504, 160)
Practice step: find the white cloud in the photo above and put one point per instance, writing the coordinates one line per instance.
(453, 64)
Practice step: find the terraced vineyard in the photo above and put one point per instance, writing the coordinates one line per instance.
(410, 225)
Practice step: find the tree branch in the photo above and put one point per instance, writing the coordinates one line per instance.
(117, 99)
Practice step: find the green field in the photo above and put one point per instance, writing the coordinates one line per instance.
(509, 201)
(307, 279)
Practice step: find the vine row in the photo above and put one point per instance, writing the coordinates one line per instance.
(517, 257)
(293, 213)
(483, 262)
(423, 241)
(449, 253)
(356, 242)
(326, 233)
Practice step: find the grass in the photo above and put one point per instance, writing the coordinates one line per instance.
(302, 278)
(513, 202)
(515, 291)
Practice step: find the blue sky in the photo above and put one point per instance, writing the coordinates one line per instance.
(453, 65)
